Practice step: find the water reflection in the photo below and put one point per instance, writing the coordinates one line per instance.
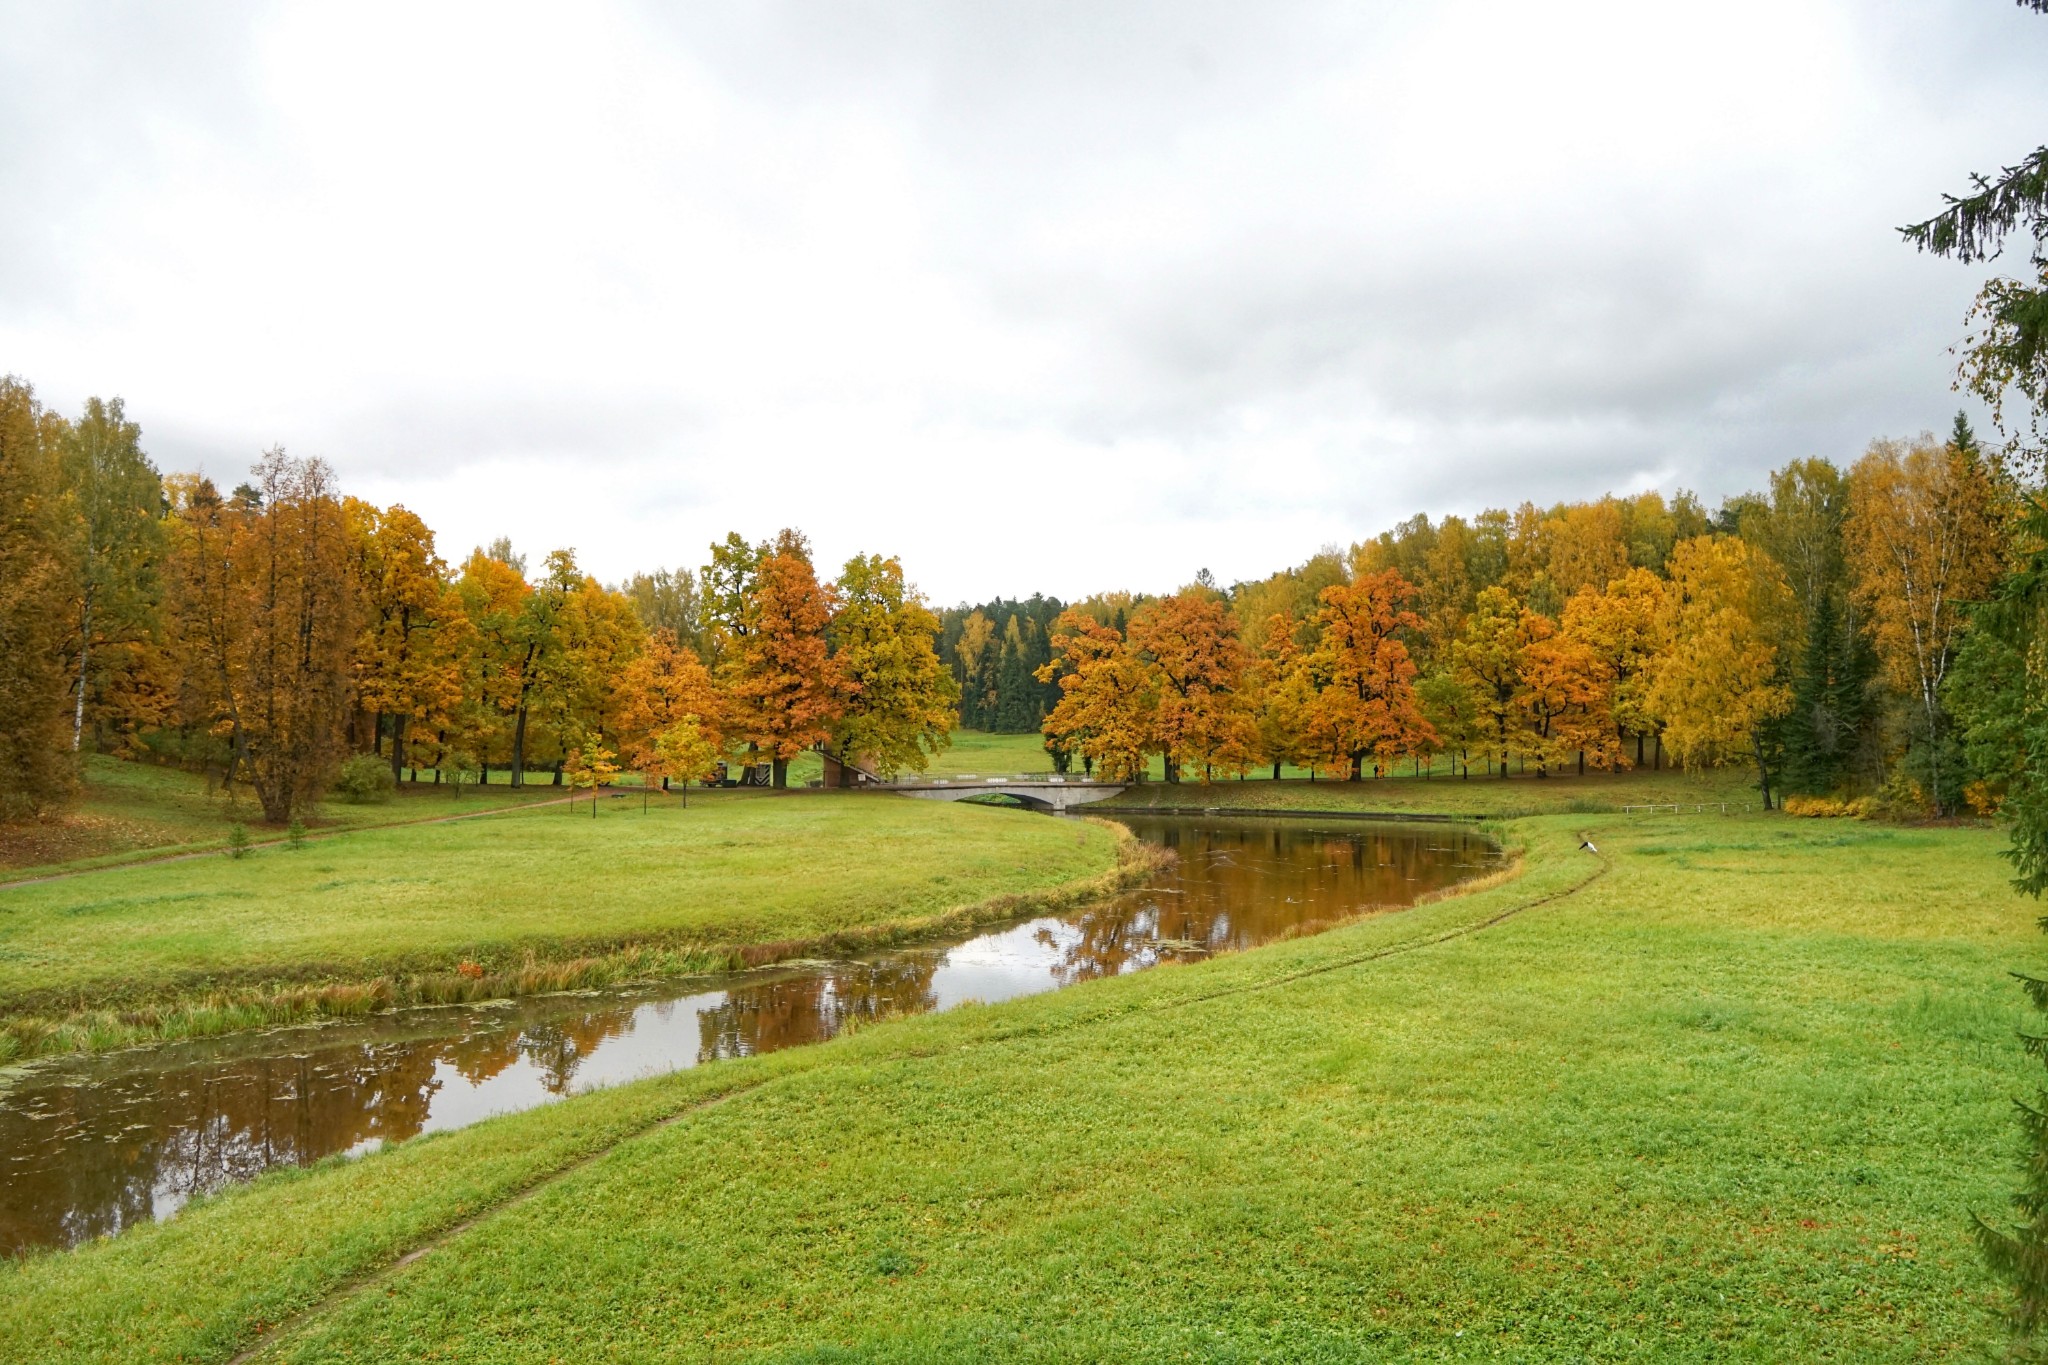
(90, 1146)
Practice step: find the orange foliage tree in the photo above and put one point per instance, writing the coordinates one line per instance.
(1106, 700)
(1189, 645)
(658, 690)
(785, 695)
(1365, 701)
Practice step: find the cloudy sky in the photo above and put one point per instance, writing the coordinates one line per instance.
(1039, 297)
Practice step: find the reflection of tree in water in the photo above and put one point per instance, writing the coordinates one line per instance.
(84, 1158)
(87, 1159)
(1237, 886)
(809, 1009)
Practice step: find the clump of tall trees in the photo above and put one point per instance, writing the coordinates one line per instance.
(269, 632)
(1811, 632)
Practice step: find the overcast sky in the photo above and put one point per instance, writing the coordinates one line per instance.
(1037, 296)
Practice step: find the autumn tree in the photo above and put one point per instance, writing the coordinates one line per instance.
(1281, 697)
(1619, 628)
(1489, 659)
(664, 687)
(1188, 644)
(1566, 702)
(494, 596)
(1365, 703)
(785, 694)
(410, 660)
(685, 751)
(1716, 685)
(115, 516)
(35, 764)
(599, 636)
(1923, 541)
(900, 699)
(268, 614)
(1107, 700)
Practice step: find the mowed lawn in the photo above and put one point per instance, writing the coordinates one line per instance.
(1728, 1090)
(731, 869)
(130, 811)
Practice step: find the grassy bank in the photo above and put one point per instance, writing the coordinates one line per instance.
(131, 811)
(1728, 1089)
(526, 901)
(1489, 797)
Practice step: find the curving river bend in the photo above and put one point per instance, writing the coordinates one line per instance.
(91, 1145)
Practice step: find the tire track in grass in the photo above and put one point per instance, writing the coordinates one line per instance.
(353, 1289)
(273, 1335)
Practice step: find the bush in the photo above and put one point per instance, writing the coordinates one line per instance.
(365, 780)
(1830, 807)
(238, 840)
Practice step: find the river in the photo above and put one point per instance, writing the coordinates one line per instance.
(90, 1145)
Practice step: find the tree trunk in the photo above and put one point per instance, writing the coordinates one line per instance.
(1276, 772)
(519, 747)
(780, 769)
(1763, 774)
(398, 723)
(1582, 763)
(78, 708)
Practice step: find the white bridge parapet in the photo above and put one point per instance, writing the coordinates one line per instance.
(1046, 793)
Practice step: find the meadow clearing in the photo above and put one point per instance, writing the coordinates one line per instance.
(508, 903)
(1730, 1087)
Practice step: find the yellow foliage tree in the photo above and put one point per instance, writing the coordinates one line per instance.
(685, 750)
(1923, 540)
(1715, 682)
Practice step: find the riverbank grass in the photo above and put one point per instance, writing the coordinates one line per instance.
(1728, 1089)
(511, 903)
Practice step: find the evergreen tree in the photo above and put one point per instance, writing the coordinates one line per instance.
(1830, 686)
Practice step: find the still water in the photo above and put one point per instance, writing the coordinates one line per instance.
(91, 1145)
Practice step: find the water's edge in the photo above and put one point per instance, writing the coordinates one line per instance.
(91, 1144)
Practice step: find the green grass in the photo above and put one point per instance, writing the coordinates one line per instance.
(131, 811)
(986, 755)
(1733, 1098)
(736, 876)
(1498, 797)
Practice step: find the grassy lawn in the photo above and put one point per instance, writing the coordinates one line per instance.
(1727, 1090)
(127, 811)
(734, 871)
(1501, 797)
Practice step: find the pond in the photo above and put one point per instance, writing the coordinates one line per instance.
(91, 1145)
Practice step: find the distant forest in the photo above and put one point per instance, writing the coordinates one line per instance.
(995, 651)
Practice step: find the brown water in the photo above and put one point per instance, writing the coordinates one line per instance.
(91, 1145)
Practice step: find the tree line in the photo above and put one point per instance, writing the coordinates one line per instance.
(1815, 630)
(268, 632)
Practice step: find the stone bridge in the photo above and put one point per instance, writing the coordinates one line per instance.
(1055, 794)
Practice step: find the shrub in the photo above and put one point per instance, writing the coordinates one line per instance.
(1830, 807)
(295, 834)
(365, 780)
(238, 840)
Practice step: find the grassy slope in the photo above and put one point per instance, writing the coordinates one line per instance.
(732, 869)
(1733, 1099)
(127, 811)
